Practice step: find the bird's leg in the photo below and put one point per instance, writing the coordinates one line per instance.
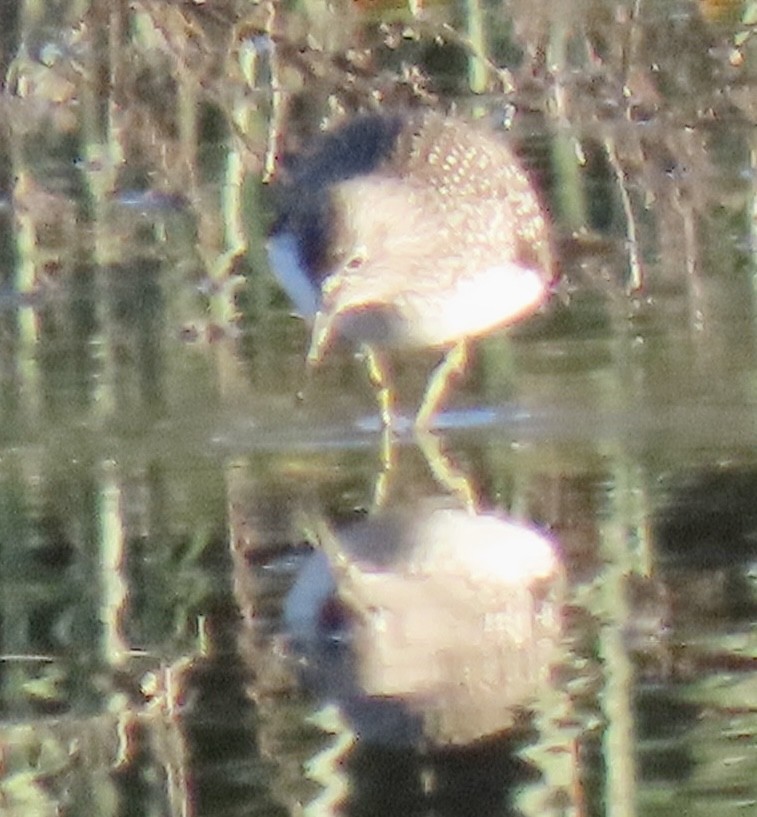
(378, 374)
(448, 475)
(388, 457)
(453, 364)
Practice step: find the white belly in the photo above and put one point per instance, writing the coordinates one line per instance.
(476, 305)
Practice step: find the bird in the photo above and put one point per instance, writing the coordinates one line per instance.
(426, 621)
(409, 229)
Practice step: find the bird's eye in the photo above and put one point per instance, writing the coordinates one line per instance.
(358, 257)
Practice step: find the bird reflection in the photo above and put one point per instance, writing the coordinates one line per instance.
(428, 625)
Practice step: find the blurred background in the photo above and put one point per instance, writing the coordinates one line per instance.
(166, 468)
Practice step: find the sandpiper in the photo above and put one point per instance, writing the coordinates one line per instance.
(410, 229)
(427, 622)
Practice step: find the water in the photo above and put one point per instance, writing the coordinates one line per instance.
(162, 483)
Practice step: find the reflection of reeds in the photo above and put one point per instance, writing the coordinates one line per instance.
(258, 531)
(476, 68)
(56, 761)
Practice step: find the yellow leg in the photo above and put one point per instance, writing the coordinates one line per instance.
(388, 459)
(450, 477)
(378, 372)
(453, 364)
